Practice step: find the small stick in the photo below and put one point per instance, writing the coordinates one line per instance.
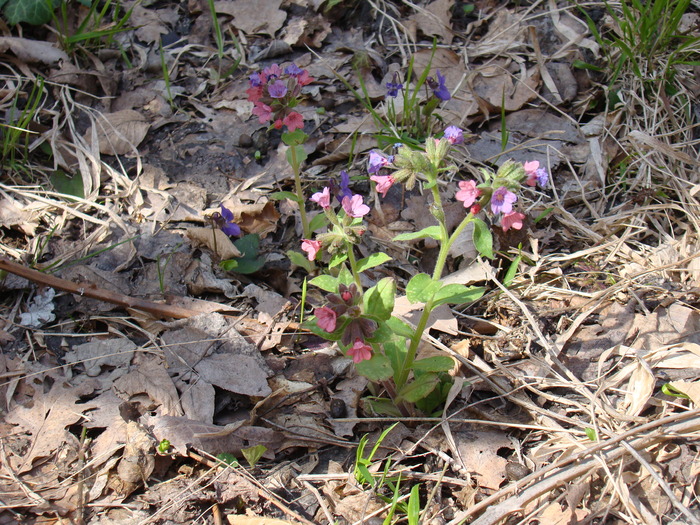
(93, 292)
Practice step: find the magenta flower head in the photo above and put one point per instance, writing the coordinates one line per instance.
(439, 88)
(311, 248)
(360, 351)
(384, 182)
(502, 200)
(354, 206)
(326, 318)
(322, 198)
(377, 161)
(454, 135)
(468, 192)
(512, 220)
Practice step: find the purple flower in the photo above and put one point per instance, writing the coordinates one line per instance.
(293, 70)
(535, 174)
(255, 80)
(277, 89)
(502, 200)
(439, 88)
(273, 71)
(392, 89)
(354, 206)
(344, 186)
(377, 161)
(454, 135)
(225, 222)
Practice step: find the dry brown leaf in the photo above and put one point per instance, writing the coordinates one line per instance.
(94, 355)
(47, 418)
(260, 218)
(689, 388)
(138, 459)
(224, 248)
(239, 374)
(440, 318)
(254, 16)
(434, 20)
(119, 133)
(494, 86)
(13, 215)
(32, 50)
(307, 31)
(254, 520)
(479, 454)
(152, 23)
(150, 378)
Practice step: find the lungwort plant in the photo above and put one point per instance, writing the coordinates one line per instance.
(362, 321)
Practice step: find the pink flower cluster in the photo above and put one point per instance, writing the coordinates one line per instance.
(274, 92)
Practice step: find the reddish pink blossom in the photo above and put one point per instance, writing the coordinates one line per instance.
(512, 220)
(360, 351)
(325, 318)
(468, 192)
(263, 111)
(475, 209)
(384, 182)
(254, 93)
(311, 248)
(322, 198)
(294, 121)
(354, 206)
(304, 78)
(278, 124)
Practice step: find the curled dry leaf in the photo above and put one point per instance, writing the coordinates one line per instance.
(205, 236)
(119, 133)
(32, 50)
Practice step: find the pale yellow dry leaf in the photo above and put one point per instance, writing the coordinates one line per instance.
(224, 248)
(119, 133)
(639, 389)
(689, 388)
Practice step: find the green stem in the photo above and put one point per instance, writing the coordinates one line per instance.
(353, 265)
(296, 168)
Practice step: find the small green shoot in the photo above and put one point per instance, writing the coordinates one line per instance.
(253, 454)
(166, 76)
(591, 433)
(164, 446)
(362, 463)
(228, 459)
(667, 389)
(161, 267)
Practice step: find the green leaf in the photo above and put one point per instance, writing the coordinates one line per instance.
(414, 505)
(432, 232)
(326, 283)
(299, 259)
(164, 446)
(512, 270)
(380, 407)
(345, 277)
(418, 389)
(379, 300)
(249, 262)
(319, 221)
(227, 458)
(253, 454)
(457, 294)
(400, 328)
(590, 433)
(300, 155)
(421, 288)
(62, 183)
(376, 369)
(396, 352)
(294, 138)
(336, 259)
(34, 12)
(248, 245)
(437, 363)
(373, 260)
(482, 238)
(229, 265)
(281, 195)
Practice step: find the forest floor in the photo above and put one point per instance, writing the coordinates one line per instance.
(142, 383)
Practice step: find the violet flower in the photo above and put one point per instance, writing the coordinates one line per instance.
(502, 200)
(454, 135)
(439, 88)
(224, 221)
(377, 161)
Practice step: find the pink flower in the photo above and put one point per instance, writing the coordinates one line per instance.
(454, 135)
(354, 206)
(360, 351)
(535, 174)
(263, 111)
(325, 318)
(377, 161)
(502, 200)
(512, 220)
(384, 182)
(294, 121)
(303, 79)
(468, 192)
(530, 167)
(322, 198)
(254, 93)
(311, 248)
